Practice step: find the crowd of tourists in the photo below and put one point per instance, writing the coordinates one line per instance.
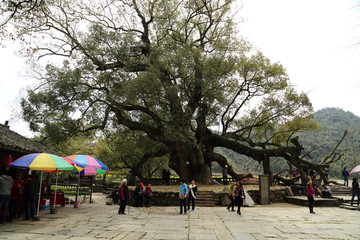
(17, 194)
(187, 196)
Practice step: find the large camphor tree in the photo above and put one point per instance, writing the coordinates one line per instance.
(174, 71)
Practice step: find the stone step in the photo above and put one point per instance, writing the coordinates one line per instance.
(349, 207)
(341, 190)
(204, 193)
(207, 201)
(204, 198)
(349, 204)
(319, 202)
(204, 205)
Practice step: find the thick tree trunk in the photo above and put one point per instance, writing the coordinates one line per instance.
(189, 164)
(132, 179)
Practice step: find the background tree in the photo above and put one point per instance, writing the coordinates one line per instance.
(169, 70)
(125, 150)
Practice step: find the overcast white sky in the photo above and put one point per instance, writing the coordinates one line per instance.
(313, 39)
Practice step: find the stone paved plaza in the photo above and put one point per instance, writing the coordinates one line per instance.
(100, 221)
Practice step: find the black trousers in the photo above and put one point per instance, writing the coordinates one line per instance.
(30, 209)
(147, 202)
(239, 202)
(182, 204)
(326, 194)
(311, 203)
(355, 192)
(115, 199)
(122, 206)
(138, 201)
(4, 203)
(231, 203)
(192, 199)
(12, 208)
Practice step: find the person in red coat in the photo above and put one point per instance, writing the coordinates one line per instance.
(310, 194)
(17, 193)
(124, 196)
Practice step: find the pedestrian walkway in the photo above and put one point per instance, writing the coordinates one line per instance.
(100, 221)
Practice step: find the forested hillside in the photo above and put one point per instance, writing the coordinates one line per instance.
(333, 122)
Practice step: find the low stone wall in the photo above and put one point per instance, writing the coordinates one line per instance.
(160, 199)
(276, 196)
(221, 198)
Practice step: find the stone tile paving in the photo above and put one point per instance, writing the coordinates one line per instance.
(98, 221)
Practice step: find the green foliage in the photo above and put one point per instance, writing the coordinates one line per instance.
(125, 150)
(319, 141)
(334, 122)
(166, 70)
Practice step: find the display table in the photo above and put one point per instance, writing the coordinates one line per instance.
(60, 199)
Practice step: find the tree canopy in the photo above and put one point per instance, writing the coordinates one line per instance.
(173, 71)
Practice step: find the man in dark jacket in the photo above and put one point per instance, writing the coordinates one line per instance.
(31, 192)
(138, 195)
(6, 183)
(346, 175)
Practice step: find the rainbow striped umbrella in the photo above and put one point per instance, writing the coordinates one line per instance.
(93, 166)
(89, 161)
(355, 170)
(42, 161)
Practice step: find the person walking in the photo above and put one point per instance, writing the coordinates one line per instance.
(310, 195)
(231, 197)
(148, 195)
(225, 172)
(192, 195)
(182, 195)
(124, 196)
(345, 173)
(239, 196)
(355, 190)
(6, 183)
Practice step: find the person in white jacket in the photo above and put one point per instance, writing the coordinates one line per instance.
(192, 195)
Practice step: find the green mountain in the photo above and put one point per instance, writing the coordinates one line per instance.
(334, 122)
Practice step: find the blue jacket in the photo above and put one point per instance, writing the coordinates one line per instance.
(345, 173)
(183, 189)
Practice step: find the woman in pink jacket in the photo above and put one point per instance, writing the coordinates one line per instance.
(310, 194)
